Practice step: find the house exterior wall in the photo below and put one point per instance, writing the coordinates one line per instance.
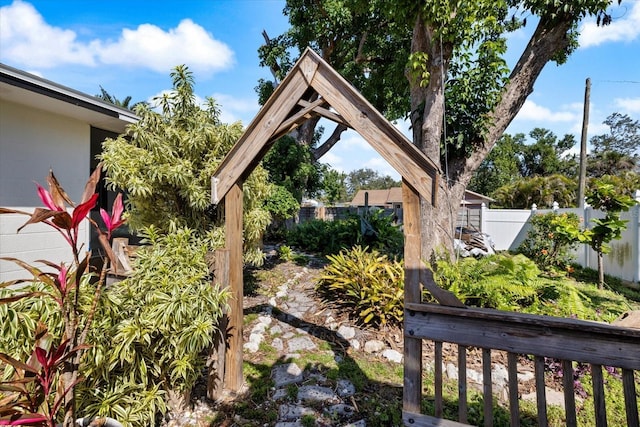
(32, 142)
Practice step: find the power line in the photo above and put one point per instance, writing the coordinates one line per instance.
(618, 81)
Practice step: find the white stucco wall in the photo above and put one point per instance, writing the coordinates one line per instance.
(31, 143)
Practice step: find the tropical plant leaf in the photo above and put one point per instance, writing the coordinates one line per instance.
(17, 364)
(40, 215)
(92, 182)
(58, 194)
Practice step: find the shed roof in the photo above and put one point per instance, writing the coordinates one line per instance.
(378, 197)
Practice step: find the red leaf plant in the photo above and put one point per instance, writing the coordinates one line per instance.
(45, 384)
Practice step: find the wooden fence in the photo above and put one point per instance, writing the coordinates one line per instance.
(540, 337)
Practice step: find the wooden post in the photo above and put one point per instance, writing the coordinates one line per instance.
(233, 241)
(412, 294)
(216, 360)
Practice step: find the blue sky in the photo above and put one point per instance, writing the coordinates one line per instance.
(129, 48)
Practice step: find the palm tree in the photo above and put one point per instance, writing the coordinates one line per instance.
(125, 103)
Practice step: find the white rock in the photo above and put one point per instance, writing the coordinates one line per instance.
(346, 332)
(374, 346)
(452, 371)
(392, 355)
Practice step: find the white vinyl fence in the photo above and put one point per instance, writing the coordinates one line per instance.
(508, 228)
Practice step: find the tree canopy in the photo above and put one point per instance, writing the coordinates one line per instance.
(447, 59)
(617, 151)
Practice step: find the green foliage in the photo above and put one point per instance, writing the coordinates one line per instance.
(325, 237)
(623, 136)
(605, 197)
(546, 156)
(513, 283)
(550, 239)
(501, 281)
(152, 329)
(329, 237)
(334, 186)
(292, 166)
(281, 203)
(285, 253)
(616, 152)
(500, 167)
(166, 160)
(17, 330)
(539, 190)
(367, 282)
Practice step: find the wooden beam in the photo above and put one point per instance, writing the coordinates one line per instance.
(412, 396)
(326, 113)
(413, 165)
(419, 420)
(255, 142)
(521, 333)
(296, 119)
(215, 376)
(233, 241)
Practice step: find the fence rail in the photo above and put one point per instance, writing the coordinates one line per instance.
(540, 337)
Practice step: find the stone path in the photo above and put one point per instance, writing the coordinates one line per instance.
(305, 393)
(293, 324)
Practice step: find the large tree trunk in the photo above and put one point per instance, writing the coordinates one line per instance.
(428, 112)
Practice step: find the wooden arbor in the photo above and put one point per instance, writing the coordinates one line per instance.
(312, 88)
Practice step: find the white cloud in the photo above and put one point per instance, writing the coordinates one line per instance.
(628, 105)
(149, 46)
(30, 41)
(625, 26)
(234, 109)
(25, 38)
(381, 166)
(335, 161)
(534, 112)
(352, 141)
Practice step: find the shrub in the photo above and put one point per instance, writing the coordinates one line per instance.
(500, 281)
(374, 230)
(152, 331)
(550, 239)
(42, 390)
(367, 282)
(508, 282)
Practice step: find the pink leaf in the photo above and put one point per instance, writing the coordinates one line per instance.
(47, 199)
(25, 420)
(105, 218)
(81, 211)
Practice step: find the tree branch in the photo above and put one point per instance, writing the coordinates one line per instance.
(330, 142)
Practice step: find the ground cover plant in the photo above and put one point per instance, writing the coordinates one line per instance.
(366, 282)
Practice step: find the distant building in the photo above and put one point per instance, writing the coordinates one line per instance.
(392, 199)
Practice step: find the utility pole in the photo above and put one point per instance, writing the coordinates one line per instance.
(582, 183)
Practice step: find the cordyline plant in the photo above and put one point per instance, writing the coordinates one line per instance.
(45, 383)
